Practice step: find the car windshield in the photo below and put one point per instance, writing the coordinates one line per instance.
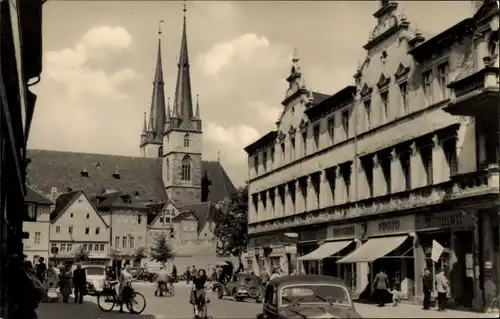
(94, 271)
(246, 280)
(314, 294)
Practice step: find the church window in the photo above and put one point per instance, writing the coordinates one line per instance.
(186, 140)
(160, 151)
(168, 170)
(186, 168)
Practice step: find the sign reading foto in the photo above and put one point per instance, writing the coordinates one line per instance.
(401, 224)
(347, 231)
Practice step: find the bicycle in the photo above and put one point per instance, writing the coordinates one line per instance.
(202, 307)
(108, 296)
(169, 289)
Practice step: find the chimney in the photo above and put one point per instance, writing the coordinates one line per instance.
(53, 194)
(116, 174)
(84, 172)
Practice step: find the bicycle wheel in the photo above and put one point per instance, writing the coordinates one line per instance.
(106, 303)
(134, 304)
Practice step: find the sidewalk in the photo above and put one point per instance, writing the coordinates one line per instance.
(413, 311)
(87, 310)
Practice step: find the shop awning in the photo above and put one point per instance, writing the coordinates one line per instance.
(326, 250)
(373, 249)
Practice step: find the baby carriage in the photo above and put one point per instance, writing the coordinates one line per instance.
(52, 283)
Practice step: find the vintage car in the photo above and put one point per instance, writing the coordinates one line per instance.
(241, 287)
(306, 297)
(96, 275)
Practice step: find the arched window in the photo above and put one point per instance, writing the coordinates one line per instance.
(186, 140)
(160, 151)
(186, 168)
(168, 170)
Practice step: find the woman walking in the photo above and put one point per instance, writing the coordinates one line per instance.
(65, 282)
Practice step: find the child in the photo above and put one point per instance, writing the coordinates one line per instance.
(396, 296)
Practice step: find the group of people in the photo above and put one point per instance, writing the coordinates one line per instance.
(381, 286)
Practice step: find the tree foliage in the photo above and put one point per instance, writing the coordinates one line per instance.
(115, 254)
(162, 250)
(140, 253)
(81, 254)
(231, 228)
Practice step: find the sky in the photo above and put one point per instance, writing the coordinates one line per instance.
(99, 59)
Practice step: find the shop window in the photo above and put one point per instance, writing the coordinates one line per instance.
(426, 156)
(405, 160)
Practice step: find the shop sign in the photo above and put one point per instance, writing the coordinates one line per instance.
(443, 220)
(270, 240)
(394, 225)
(315, 234)
(344, 231)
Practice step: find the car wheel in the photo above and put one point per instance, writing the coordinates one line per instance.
(253, 292)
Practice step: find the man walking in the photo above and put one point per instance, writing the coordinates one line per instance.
(40, 269)
(442, 289)
(380, 286)
(427, 285)
(79, 282)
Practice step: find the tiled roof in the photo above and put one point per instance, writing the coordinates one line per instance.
(319, 97)
(203, 211)
(140, 177)
(33, 196)
(183, 215)
(62, 202)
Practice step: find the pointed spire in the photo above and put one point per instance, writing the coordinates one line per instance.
(144, 126)
(157, 112)
(167, 118)
(150, 125)
(197, 113)
(183, 103)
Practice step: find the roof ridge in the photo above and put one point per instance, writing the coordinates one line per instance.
(222, 172)
(88, 153)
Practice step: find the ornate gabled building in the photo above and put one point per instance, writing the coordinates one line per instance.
(391, 170)
(126, 189)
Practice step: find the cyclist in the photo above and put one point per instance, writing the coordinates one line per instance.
(197, 298)
(125, 280)
(162, 280)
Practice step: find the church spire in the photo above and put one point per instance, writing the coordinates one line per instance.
(183, 104)
(197, 112)
(167, 118)
(157, 113)
(144, 126)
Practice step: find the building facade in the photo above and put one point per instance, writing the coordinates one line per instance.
(77, 227)
(21, 47)
(373, 175)
(37, 225)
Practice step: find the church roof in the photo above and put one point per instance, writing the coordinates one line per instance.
(139, 177)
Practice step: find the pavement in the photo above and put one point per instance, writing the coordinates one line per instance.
(178, 307)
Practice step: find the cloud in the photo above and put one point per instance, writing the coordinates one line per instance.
(231, 139)
(264, 112)
(240, 50)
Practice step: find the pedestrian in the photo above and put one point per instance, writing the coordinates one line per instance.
(194, 272)
(442, 289)
(427, 287)
(65, 282)
(80, 283)
(198, 291)
(276, 273)
(396, 295)
(125, 281)
(27, 290)
(162, 281)
(188, 274)
(40, 269)
(380, 286)
(264, 275)
(174, 273)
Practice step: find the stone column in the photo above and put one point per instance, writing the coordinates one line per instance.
(418, 175)
(440, 167)
(325, 192)
(340, 190)
(299, 198)
(489, 261)
(420, 265)
(362, 272)
(397, 174)
(379, 183)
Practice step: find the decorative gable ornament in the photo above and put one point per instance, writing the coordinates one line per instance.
(281, 136)
(303, 125)
(402, 71)
(292, 131)
(383, 81)
(366, 90)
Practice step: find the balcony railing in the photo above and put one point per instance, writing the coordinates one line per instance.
(482, 182)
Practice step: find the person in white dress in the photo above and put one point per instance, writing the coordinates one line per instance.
(125, 279)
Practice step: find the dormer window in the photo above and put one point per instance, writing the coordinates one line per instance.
(402, 72)
(186, 140)
(366, 91)
(383, 82)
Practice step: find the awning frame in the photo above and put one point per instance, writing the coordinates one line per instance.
(370, 259)
(341, 244)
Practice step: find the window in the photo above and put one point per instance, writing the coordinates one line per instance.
(256, 163)
(282, 145)
(186, 168)
(186, 140)
(405, 160)
(345, 170)
(101, 247)
(139, 240)
(162, 219)
(96, 247)
(117, 241)
(84, 247)
(264, 160)
(331, 129)
(385, 164)
(367, 164)
(131, 242)
(443, 69)
(63, 247)
(292, 148)
(37, 237)
(69, 247)
(58, 229)
(71, 215)
(426, 156)
(90, 247)
(168, 169)
(427, 85)
(124, 242)
(450, 151)
(87, 231)
(304, 143)
(316, 135)
(403, 89)
(88, 216)
(272, 155)
(384, 96)
(70, 229)
(31, 211)
(345, 122)
(368, 112)
(139, 218)
(53, 246)
(160, 151)
(97, 230)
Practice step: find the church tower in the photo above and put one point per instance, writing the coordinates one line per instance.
(154, 128)
(182, 143)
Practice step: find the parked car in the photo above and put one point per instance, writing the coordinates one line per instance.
(307, 297)
(241, 287)
(145, 275)
(96, 276)
(134, 271)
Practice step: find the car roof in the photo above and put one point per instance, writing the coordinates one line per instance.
(310, 279)
(92, 265)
